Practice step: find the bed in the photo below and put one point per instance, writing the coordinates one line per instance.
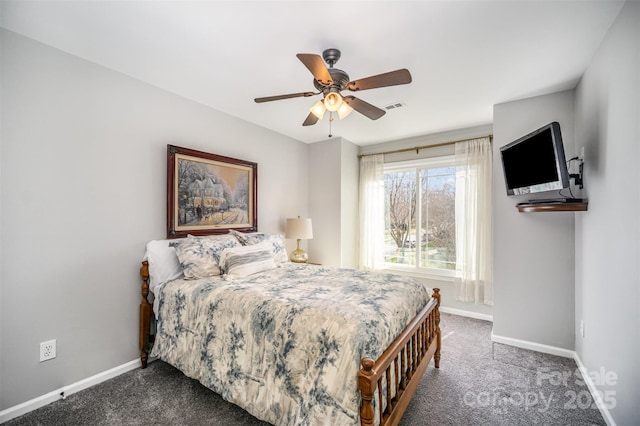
(289, 343)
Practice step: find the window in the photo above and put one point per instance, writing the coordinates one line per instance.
(432, 217)
(420, 229)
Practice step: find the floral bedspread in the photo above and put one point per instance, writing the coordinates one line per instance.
(286, 344)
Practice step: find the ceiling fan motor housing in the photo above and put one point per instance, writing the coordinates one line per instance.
(340, 81)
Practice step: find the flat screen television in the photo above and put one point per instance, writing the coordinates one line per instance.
(535, 162)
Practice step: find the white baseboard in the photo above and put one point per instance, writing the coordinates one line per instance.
(41, 401)
(532, 346)
(593, 390)
(469, 314)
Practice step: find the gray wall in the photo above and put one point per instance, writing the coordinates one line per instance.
(349, 192)
(324, 204)
(533, 252)
(333, 202)
(83, 177)
(608, 235)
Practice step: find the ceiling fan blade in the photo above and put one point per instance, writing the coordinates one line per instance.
(289, 96)
(392, 78)
(311, 120)
(364, 108)
(316, 65)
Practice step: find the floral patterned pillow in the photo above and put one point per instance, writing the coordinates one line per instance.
(279, 250)
(200, 256)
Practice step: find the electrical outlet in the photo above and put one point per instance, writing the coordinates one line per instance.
(582, 328)
(47, 350)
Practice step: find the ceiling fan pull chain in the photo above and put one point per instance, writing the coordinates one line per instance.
(330, 121)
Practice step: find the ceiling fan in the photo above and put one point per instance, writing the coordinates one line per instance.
(331, 81)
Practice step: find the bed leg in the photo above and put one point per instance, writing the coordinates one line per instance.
(367, 385)
(436, 355)
(145, 315)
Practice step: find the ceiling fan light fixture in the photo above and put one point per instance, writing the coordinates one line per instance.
(330, 82)
(318, 109)
(344, 110)
(332, 101)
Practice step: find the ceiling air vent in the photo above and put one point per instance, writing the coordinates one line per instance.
(395, 105)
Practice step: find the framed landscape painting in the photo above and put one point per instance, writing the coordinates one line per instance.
(209, 194)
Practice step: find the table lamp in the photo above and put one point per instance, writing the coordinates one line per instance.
(299, 229)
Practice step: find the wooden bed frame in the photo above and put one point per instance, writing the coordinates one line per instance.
(398, 370)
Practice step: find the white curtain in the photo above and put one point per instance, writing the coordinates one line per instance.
(371, 212)
(474, 221)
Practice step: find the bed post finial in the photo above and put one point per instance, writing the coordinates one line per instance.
(145, 315)
(436, 355)
(367, 386)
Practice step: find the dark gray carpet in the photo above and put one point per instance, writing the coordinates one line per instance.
(478, 383)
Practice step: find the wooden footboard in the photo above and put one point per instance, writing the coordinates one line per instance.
(396, 374)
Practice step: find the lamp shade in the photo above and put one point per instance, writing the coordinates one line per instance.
(344, 110)
(332, 101)
(299, 228)
(318, 109)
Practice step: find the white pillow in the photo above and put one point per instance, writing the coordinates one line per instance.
(200, 256)
(242, 261)
(164, 265)
(277, 243)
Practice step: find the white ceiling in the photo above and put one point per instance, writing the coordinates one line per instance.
(464, 56)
